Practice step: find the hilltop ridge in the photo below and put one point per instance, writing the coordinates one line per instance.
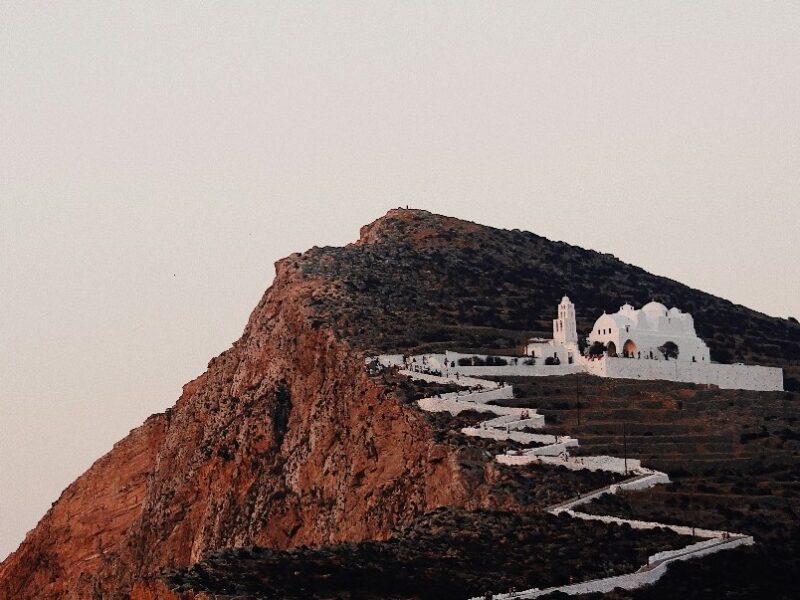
(285, 440)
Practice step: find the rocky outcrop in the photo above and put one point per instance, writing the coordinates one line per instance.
(80, 536)
(157, 590)
(283, 441)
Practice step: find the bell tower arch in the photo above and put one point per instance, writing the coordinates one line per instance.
(564, 328)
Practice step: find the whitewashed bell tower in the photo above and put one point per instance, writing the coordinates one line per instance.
(564, 329)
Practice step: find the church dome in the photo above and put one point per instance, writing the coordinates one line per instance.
(606, 321)
(654, 310)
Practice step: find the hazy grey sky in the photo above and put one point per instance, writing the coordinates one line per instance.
(156, 159)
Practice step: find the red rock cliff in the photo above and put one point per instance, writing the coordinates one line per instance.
(284, 440)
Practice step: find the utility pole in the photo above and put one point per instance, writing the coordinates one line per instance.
(624, 431)
(625, 442)
(625, 447)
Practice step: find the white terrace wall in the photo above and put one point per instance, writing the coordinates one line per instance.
(744, 377)
(538, 370)
(457, 402)
(511, 370)
(502, 393)
(576, 463)
(453, 357)
(442, 363)
(468, 382)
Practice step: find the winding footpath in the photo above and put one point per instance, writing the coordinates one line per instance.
(509, 423)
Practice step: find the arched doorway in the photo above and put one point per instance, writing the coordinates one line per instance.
(629, 349)
(611, 349)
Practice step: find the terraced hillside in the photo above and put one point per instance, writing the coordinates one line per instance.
(732, 456)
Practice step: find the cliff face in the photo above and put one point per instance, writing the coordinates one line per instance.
(81, 534)
(285, 440)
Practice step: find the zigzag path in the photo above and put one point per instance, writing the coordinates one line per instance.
(510, 423)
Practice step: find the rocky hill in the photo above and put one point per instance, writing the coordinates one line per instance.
(285, 441)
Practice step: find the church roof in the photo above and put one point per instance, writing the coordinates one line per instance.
(655, 309)
(619, 319)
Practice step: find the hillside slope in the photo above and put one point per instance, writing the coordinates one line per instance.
(286, 441)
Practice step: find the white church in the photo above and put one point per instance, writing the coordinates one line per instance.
(629, 333)
(563, 348)
(652, 342)
(642, 333)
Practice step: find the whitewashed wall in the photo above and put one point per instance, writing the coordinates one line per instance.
(745, 377)
(538, 370)
(576, 463)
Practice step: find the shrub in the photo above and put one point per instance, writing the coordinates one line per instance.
(495, 361)
(669, 350)
(597, 349)
(477, 361)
